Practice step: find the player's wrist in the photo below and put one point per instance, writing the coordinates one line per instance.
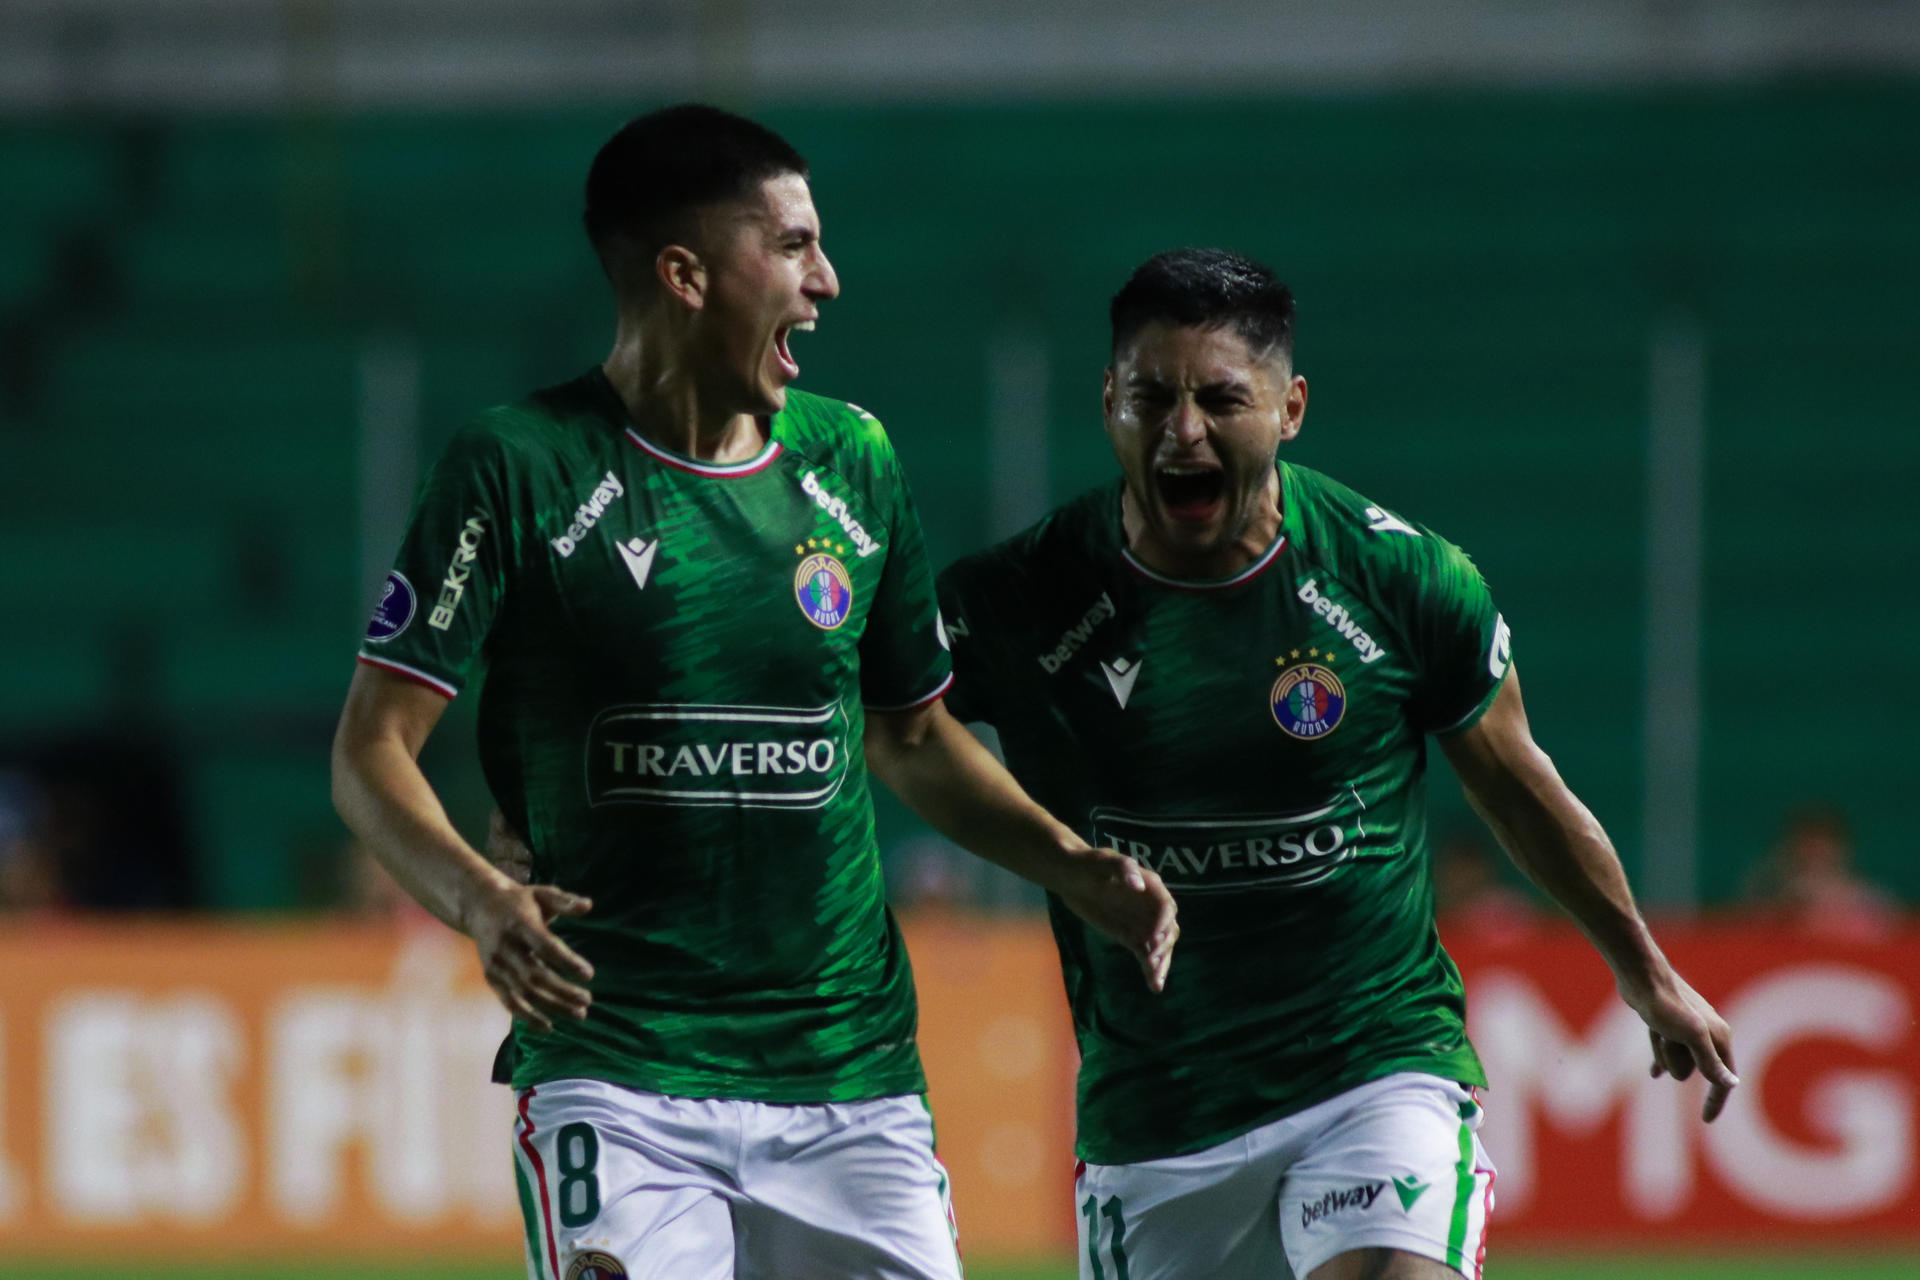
(1063, 861)
(480, 898)
(1640, 969)
(1088, 865)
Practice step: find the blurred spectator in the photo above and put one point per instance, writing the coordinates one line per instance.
(96, 824)
(1470, 897)
(924, 876)
(29, 878)
(1808, 881)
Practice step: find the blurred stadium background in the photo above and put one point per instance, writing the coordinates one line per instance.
(1619, 295)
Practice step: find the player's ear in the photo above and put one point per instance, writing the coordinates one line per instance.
(1106, 392)
(1294, 407)
(682, 274)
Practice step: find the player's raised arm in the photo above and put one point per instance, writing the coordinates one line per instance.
(384, 798)
(941, 771)
(1561, 846)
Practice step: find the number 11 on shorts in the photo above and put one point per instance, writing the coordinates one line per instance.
(1116, 1237)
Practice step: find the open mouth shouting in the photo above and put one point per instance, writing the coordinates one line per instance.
(1191, 492)
(783, 353)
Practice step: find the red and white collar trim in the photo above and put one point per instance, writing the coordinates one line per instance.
(1252, 571)
(721, 469)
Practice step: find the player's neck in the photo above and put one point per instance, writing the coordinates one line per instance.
(1202, 564)
(664, 404)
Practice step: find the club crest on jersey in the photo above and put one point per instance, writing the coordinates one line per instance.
(395, 610)
(595, 1265)
(824, 589)
(1308, 700)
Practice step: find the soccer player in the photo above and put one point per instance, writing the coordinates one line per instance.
(1227, 666)
(706, 613)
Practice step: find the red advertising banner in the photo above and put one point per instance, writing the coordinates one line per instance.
(1817, 1145)
(261, 1090)
(201, 1089)
(312, 1090)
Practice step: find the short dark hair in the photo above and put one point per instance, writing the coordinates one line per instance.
(662, 166)
(1210, 288)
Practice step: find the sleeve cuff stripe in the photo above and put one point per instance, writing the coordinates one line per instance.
(1474, 712)
(939, 689)
(414, 674)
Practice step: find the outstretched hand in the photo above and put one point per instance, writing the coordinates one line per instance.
(1687, 1034)
(529, 968)
(1129, 904)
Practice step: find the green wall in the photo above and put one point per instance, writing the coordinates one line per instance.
(1479, 278)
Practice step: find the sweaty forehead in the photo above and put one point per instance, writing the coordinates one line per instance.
(781, 203)
(1195, 356)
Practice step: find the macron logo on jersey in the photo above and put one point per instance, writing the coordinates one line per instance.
(1120, 675)
(837, 510)
(1384, 521)
(1340, 620)
(638, 553)
(589, 513)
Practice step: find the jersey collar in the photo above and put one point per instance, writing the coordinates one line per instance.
(727, 470)
(679, 461)
(1248, 574)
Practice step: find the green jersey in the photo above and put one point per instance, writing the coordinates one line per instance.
(677, 657)
(1260, 742)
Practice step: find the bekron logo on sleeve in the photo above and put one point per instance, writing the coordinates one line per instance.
(459, 569)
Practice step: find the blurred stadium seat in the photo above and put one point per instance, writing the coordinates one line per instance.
(236, 244)
(1479, 274)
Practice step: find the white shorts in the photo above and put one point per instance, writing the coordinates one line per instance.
(1392, 1164)
(617, 1184)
